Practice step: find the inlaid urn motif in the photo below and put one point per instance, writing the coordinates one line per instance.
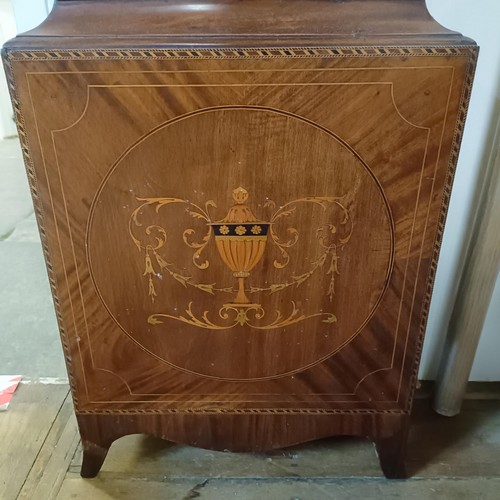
(241, 240)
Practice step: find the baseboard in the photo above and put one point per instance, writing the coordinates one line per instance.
(475, 390)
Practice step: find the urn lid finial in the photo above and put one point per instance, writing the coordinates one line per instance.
(240, 195)
(240, 212)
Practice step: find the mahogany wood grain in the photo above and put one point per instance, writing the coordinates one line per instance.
(241, 241)
(235, 24)
(292, 18)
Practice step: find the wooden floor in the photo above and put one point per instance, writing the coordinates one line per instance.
(456, 458)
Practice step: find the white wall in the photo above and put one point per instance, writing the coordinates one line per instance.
(486, 365)
(30, 13)
(16, 16)
(480, 20)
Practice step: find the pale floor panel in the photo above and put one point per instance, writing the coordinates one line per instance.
(29, 338)
(453, 459)
(15, 199)
(258, 489)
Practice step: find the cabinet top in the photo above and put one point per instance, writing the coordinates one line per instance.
(80, 23)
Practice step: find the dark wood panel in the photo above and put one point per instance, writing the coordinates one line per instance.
(247, 17)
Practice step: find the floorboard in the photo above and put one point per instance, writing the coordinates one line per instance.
(47, 474)
(449, 458)
(23, 430)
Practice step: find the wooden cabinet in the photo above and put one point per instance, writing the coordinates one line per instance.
(241, 206)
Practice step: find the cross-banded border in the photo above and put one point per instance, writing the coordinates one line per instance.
(240, 411)
(237, 53)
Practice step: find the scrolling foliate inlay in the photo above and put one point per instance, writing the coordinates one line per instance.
(241, 241)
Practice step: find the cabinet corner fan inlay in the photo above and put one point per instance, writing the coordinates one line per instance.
(241, 214)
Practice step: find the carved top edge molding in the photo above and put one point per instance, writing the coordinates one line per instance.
(240, 53)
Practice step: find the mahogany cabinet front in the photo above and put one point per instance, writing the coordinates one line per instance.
(241, 242)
